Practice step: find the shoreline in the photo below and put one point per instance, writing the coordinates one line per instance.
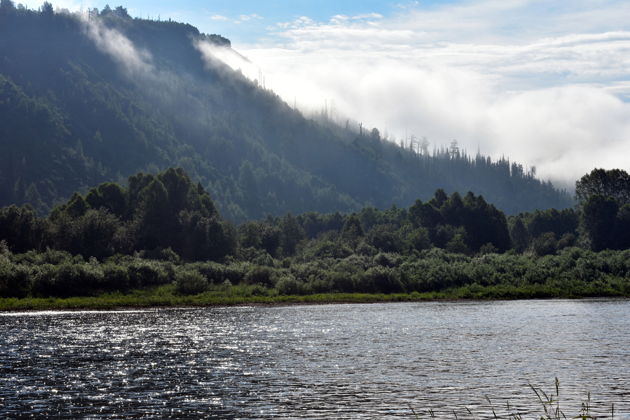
(122, 302)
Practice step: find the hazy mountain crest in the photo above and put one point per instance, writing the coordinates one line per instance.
(100, 96)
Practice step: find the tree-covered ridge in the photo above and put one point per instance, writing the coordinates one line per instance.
(76, 114)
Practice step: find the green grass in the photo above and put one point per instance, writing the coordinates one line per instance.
(166, 296)
(550, 408)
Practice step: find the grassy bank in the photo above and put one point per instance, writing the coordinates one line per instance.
(167, 296)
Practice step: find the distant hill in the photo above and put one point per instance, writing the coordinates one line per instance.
(95, 99)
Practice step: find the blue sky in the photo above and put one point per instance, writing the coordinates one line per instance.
(228, 17)
(546, 82)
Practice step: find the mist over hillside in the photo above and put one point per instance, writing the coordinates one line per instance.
(96, 97)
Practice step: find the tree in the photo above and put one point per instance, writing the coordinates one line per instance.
(439, 198)
(425, 215)
(76, 207)
(519, 235)
(598, 218)
(545, 244)
(614, 183)
(121, 12)
(352, 230)
(622, 227)
(109, 196)
(6, 7)
(457, 244)
(155, 224)
(47, 9)
(204, 238)
(291, 233)
(21, 228)
(92, 234)
(249, 235)
(552, 220)
(385, 238)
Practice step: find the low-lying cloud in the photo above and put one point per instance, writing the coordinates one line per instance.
(511, 77)
(134, 61)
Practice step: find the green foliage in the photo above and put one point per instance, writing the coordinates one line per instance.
(571, 272)
(116, 277)
(166, 230)
(289, 286)
(147, 273)
(76, 280)
(613, 184)
(263, 276)
(604, 197)
(599, 216)
(519, 235)
(21, 229)
(190, 282)
(545, 244)
(291, 233)
(15, 280)
(385, 238)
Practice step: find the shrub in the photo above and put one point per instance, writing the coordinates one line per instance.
(214, 272)
(77, 280)
(260, 275)
(190, 282)
(419, 239)
(488, 248)
(382, 279)
(146, 273)
(115, 277)
(289, 286)
(15, 280)
(235, 273)
(366, 249)
(387, 260)
(342, 282)
(44, 280)
(545, 244)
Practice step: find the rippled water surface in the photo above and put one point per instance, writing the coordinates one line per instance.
(333, 361)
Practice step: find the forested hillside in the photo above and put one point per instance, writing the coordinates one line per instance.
(95, 98)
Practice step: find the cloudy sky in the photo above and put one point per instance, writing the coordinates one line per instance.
(543, 82)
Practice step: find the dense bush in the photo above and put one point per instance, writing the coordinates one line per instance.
(190, 282)
(173, 231)
(15, 280)
(263, 276)
(570, 271)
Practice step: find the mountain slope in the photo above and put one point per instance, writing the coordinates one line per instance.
(86, 101)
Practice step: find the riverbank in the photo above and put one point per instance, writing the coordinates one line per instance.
(166, 296)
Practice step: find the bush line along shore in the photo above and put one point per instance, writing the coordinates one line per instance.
(160, 241)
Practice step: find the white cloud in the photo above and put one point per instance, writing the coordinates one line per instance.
(215, 56)
(519, 78)
(247, 18)
(134, 61)
(218, 18)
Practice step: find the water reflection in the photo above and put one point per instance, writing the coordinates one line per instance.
(337, 361)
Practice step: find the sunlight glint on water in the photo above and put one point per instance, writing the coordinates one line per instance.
(341, 361)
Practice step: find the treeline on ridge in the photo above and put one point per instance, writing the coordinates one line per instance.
(74, 116)
(164, 228)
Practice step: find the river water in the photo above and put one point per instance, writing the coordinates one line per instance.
(330, 361)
